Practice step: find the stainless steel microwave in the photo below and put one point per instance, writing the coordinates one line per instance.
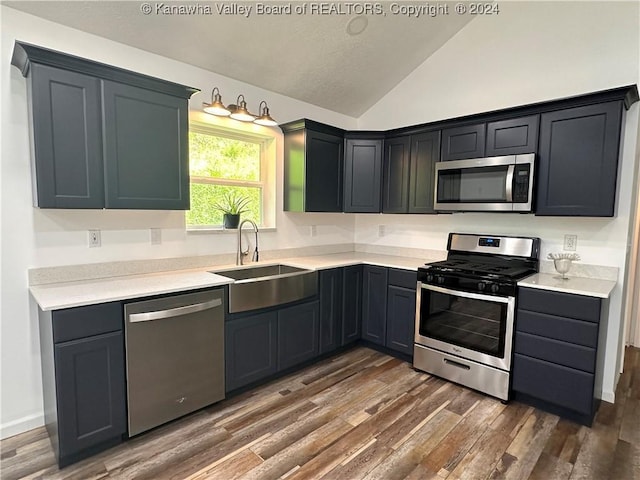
(494, 184)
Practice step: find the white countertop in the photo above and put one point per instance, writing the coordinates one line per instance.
(591, 287)
(56, 296)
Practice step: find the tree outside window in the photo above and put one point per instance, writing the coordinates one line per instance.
(220, 165)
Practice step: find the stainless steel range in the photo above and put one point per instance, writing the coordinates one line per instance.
(465, 310)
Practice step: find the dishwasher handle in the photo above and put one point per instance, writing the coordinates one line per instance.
(174, 312)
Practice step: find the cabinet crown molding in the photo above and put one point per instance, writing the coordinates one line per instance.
(24, 54)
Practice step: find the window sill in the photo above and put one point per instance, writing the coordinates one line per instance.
(220, 230)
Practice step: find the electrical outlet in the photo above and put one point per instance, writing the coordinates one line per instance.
(94, 238)
(570, 242)
(381, 230)
(313, 231)
(155, 235)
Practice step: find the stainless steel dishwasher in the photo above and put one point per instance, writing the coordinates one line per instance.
(175, 357)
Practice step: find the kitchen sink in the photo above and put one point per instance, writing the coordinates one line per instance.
(268, 285)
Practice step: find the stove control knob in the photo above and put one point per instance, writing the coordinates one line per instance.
(429, 277)
(481, 286)
(440, 280)
(495, 287)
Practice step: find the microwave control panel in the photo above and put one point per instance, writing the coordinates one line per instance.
(521, 177)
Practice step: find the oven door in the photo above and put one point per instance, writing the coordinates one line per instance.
(469, 325)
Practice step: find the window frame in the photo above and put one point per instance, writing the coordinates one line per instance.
(266, 183)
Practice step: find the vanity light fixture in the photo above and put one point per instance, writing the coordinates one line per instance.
(264, 118)
(238, 111)
(216, 107)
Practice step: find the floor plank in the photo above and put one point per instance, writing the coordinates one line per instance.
(361, 415)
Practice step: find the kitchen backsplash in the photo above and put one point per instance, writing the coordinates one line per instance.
(579, 269)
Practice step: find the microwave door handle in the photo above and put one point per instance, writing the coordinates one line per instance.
(509, 183)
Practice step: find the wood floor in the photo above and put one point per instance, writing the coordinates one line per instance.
(363, 415)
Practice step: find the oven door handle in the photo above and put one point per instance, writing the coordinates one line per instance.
(475, 296)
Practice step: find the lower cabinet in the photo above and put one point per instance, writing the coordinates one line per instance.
(401, 312)
(297, 334)
(262, 344)
(330, 292)
(83, 369)
(91, 391)
(351, 305)
(556, 356)
(340, 292)
(389, 306)
(374, 304)
(250, 349)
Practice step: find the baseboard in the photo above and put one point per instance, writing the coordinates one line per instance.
(21, 425)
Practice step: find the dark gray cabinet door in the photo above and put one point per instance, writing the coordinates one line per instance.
(374, 301)
(578, 161)
(146, 148)
(460, 143)
(352, 305)
(395, 194)
(330, 291)
(425, 152)
(90, 386)
(513, 136)
(401, 312)
(363, 176)
(297, 334)
(250, 349)
(324, 172)
(67, 139)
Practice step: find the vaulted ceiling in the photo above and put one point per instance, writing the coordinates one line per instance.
(337, 59)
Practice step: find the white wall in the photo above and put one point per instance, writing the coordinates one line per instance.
(530, 52)
(36, 238)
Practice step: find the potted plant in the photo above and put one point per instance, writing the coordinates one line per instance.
(232, 204)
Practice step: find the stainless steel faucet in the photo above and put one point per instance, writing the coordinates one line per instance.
(240, 254)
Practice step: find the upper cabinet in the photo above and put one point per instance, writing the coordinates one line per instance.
(409, 172)
(397, 155)
(460, 143)
(104, 137)
(576, 141)
(363, 172)
(513, 136)
(578, 160)
(313, 167)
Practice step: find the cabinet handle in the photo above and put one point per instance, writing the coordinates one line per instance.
(174, 312)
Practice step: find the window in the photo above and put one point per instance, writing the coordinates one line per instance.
(223, 163)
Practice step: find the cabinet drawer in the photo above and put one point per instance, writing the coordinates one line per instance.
(403, 278)
(568, 354)
(561, 304)
(559, 328)
(81, 322)
(556, 384)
